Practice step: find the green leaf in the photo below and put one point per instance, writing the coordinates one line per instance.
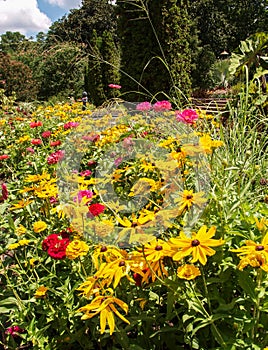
(245, 281)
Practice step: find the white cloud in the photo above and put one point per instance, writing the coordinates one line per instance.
(22, 16)
(65, 4)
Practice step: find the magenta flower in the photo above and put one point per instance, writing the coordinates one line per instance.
(83, 193)
(114, 86)
(14, 331)
(188, 116)
(70, 125)
(86, 173)
(55, 157)
(4, 193)
(46, 134)
(162, 106)
(118, 161)
(144, 106)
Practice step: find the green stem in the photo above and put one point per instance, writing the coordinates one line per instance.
(217, 332)
(256, 310)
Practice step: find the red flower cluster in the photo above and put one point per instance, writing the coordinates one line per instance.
(36, 124)
(96, 209)
(4, 156)
(56, 244)
(55, 157)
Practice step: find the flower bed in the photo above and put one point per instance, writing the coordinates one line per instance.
(118, 233)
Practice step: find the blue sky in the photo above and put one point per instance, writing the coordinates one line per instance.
(30, 17)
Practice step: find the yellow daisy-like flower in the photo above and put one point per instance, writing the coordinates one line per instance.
(198, 245)
(253, 247)
(41, 292)
(254, 259)
(105, 306)
(262, 223)
(20, 243)
(188, 272)
(156, 250)
(76, 248)
(39, 226)
(189, 198)
(21, 204)
(20, 230)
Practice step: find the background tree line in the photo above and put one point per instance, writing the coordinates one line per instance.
(152, 48)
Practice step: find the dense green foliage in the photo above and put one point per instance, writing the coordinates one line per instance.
(155, 38)
(182, 40)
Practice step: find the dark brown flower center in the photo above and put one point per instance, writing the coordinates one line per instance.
(259, 247)
(103, 249)
(158, 247)
(122, 263)
(189, 196)
(195, 243)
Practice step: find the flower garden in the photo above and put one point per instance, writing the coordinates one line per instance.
(132, 229)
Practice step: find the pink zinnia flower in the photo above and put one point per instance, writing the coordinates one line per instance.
(144, 106)
(70, 125)
(83, 193)
(114, 86)
(36, 142)
(55, 157)
(188, 116)
(162, 106)
(30, 149)
(86, 173)
(118, 161)
(46, 134)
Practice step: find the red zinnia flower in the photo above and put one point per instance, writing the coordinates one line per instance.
(36, 124)
(55, 143)
(96, 209)
(4, 192)
(56, 244)
(4, 156)
(36, 142)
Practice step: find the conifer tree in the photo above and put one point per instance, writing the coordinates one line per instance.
(155, 37)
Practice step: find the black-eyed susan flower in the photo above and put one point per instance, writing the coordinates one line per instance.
(156, 250)
(188, 198)
(254, 259)
(106, 307)
(198, 245)
(188, 272)
(253, 254)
